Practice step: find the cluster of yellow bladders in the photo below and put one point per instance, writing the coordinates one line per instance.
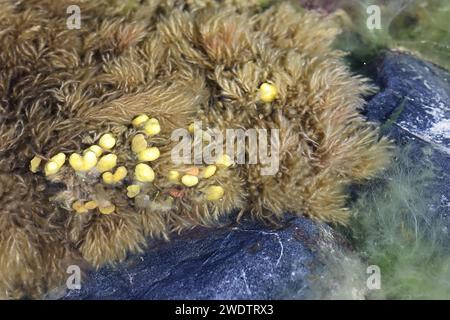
(100, 159)
(144, 173)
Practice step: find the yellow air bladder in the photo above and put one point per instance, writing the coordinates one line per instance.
(120, 174)
(90, 160)
(60, 159)
(107, 162)
(149, 154)
(76, 162)
(139, 120)
(34, 164)
(268, 92)
(209, 171)
(108, 178)
(189, 180)
(91, 205)
(214, 193)
(51, 168)
(83, 163)
(173, 176)
(79, 207)
(192, 127)
(96, 149)
(133, 190)
(139, 143)
(224, 161)
(54, 165)
(144, 173)
(107, 141)
(116, 177)
(107, 209)
(152, 127)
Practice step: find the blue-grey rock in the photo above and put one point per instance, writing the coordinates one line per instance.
(415, 98)
(413, 108)
(239, 261)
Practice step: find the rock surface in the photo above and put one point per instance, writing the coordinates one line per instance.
(240, 261)
(414, 108)
(302, 260)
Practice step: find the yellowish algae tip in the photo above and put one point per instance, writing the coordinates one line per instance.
(133, 190)
(214, 193)
(149, 154)
(107, 209)
(51, 168)
(144, 173)
(107, 162)
(119, 175)
(268, 92)
(35, 163)
(192, 127)
(174, 176)
(90, 205)
(189, 180)
(152, 127)
(209, 171)
(79, 207)
(83, 163)
(107, 141)
(76, 162)
(60, 159)
(96, 149)
(139, 143)
(224, 161)
(108, 178)
(54, 165)
(139, 120)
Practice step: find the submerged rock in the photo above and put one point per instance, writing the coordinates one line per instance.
(240, 261)
(413, 108)
(415, 99)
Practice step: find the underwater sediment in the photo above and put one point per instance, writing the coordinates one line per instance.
(87, 116)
